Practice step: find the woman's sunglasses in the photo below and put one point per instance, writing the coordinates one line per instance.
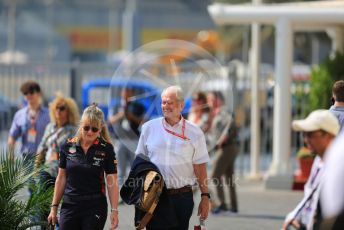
(88, 128)
(61, 108)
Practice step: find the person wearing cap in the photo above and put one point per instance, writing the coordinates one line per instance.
(29, 123)
(338, 102)
(319, 130)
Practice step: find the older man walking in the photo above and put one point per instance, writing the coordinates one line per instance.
(177, 147)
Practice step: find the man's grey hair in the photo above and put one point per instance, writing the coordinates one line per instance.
(177, 90)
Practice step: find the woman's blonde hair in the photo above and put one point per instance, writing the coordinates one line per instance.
(72, 108)
(95, 116)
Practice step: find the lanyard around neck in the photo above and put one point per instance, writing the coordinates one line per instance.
(33, 116)
(177, 134)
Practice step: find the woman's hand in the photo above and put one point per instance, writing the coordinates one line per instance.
(114, 219)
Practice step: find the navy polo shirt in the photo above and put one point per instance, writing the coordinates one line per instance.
(85, 172)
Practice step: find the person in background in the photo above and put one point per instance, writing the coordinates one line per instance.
(332, 199)
(29, 123)
(199, 111)
(64, 117)
(319, 130)
(177, 147)
(126, 123)
(338, 101)
(226, 144)
(83, 161)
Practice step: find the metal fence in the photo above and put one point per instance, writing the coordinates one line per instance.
(69, 77)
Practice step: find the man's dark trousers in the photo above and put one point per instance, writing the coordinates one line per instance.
(183, 205)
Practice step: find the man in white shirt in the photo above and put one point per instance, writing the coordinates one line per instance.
(332, 199)
(319, 129)
(177, 147)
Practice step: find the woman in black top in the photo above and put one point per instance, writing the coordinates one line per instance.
(81, 181)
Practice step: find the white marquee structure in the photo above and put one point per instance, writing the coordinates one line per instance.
(286, 18)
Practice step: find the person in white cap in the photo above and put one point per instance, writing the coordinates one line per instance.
(319, 129)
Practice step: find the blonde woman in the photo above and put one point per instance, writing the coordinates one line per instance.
(64, 117)
(84, 160)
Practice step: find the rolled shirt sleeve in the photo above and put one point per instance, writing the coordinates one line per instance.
(16, 130)
(141, 147)
(201, 153)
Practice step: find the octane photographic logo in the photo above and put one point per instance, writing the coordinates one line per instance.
(142, 75)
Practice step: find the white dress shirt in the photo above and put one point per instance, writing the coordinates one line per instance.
(173, 155)
(306, 209)
(332, 193)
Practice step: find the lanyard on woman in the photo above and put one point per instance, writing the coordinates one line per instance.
(177, 134)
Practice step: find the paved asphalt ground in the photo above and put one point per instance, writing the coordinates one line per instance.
(259, 209)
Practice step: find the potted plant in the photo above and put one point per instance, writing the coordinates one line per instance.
(19, 211)
(305, 157)
(322, 79)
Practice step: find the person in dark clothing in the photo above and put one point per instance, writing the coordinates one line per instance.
(225, 140)
(83, 161)
(164, 214)
(126, 123)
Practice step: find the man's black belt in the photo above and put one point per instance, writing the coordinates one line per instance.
(82, 197)
(184, 189)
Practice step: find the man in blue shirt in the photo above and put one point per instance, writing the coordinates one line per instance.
(29, 122)
(338, 102)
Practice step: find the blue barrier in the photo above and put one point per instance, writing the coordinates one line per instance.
(145, 93)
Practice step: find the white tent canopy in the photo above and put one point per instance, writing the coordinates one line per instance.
(13, 57)
(285, 17)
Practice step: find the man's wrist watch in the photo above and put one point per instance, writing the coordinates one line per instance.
(205, 194)
(114, 210)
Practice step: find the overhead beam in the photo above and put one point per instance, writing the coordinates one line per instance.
(224, 14)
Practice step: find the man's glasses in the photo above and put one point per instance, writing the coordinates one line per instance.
(61, 108)
(88, 128)
(312, 134)
(29, 92)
